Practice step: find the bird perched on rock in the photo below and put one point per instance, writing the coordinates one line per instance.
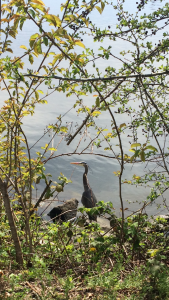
(88, 198)
(64, 212)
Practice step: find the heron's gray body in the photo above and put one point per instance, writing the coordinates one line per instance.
(88, 198)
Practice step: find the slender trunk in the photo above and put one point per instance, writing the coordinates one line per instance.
(1, 200)
(19, 256)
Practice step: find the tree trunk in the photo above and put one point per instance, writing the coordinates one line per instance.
(19, 256)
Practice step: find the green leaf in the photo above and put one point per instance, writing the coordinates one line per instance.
(132, 157)
(37, 47)
(16, 22)
(70, 233)
(135, 145)
(22, 20)
(31, 59)
(32, 13)
(97, 102)
(32, 39)
(45, 40)
(102, 5)
(142, 155)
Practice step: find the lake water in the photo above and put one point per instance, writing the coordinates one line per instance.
(102, 179)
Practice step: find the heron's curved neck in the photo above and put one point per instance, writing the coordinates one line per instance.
(85, 183)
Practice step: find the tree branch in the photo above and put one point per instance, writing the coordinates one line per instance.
(99, 78)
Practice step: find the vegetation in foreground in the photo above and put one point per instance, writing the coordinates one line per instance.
(74, 262)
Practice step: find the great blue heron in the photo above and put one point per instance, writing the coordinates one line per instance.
(88, 198)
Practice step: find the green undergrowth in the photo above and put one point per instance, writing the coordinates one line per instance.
(77, 262)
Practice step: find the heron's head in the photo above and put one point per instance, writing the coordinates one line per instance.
(81, 163)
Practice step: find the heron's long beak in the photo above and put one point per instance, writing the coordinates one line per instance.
(76, 163)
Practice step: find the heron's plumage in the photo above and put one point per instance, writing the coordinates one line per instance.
(88, 198)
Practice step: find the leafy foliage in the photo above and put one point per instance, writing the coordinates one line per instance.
(58, 48)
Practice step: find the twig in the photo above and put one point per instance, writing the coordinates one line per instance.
(41, 197)
(34, 290)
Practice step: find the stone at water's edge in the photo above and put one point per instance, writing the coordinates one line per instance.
(64, 212)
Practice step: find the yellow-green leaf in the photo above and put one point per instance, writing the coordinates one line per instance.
(135, 145)
(31, 59)
(151, 148)
(52, 149)
(132, 157)
(23, 47)
(12, 33)
(16, 22)
(99, 9)
(38, 6)
(44, 101)
(96, 113)
(37, 95)
(34, 36)
(79, 43)
(61, 32)
(34, 53)
(102, 5)
(45, 68)
(56, 57)
(38, 2)
(32, 39)
(7, 106)
(41, 92)
(63, 128)
(122, 125)
(26, 112)
(37, 47)
(53, 19)
(6, 8)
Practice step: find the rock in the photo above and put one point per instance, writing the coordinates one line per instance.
(64, 212)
